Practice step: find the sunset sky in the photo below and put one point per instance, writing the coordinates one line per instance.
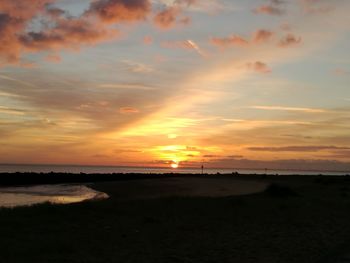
(230, 83)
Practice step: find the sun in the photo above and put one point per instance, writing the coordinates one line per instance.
(174, 165)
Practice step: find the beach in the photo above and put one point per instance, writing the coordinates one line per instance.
(161, 220)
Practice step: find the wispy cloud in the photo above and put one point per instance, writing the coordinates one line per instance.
(25, 83)
(283, 108)
(311, 148)
(316, 7)
(268, 10)
(273, 8)
(136, 86)
(11, 111)
(186, 44)
(341, 72)
(137, 67)
(259, 67)
(128, 110)
(289, 40)
(258, 37)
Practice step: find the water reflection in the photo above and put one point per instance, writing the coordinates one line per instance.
(55, 194)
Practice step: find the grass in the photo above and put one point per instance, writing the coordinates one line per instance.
(310, 226)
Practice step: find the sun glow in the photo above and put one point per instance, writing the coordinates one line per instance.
(174, 165)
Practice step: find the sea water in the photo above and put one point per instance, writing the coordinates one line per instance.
(55, 194)
(11, 168)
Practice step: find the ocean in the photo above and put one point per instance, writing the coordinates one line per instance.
(12, 168)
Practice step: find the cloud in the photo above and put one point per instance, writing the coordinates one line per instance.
(274, 8)
(316, 6)
(132, 86)
(10, 47)
(195, 46)
(186, 2)
(203, 6)
(297, 148)
(286, 27)
(211, 156)
(233, 40)
(282, 108)
(53, 58)
(137, 67)
(235, 156)
(167, 18)
(54, 11)
(268, 10)
(68, 33)
(185, 20)
(128, 110)
(289, 40)
(340, 154)
(341, 72)
(58, 30)
(262, 35)
(186, 44)
(11, 111)
(278, 2)
(114, 11)
(258, 37)
(147, 40)
(259, 67)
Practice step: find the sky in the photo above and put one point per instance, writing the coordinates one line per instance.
(225, 83)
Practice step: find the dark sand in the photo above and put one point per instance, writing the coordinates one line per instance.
(171, 220)
(185, 187)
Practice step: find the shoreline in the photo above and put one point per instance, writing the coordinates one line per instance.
(31, 178)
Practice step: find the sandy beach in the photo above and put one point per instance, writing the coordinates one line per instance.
(186, 187)
(301, 219)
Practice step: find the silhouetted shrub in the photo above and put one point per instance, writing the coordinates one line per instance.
(277, 190)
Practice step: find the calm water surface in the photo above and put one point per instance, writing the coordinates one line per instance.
(116, 169)
(55, 194)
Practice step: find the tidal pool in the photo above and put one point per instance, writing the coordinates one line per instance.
(55, 194)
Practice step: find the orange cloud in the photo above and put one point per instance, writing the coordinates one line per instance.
(185, 20)
(258, 37)
(61, 31)
(67, 33)
(167, 17)
(268, 10)
(128, 110)
(259, 67)
(53, 58)
(186, 44)
(274, 8)
(177, 44)
(316, 6)
(341, 72)
(297, 148)
(112, 11)
(262, 35)
(147, 40)
(289, 40)
(186, 2)
(14, 18)
(233, 40)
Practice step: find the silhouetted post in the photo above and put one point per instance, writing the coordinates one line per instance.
(202, 167)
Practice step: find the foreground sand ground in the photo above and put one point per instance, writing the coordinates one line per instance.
(186, 187)
(200, 220)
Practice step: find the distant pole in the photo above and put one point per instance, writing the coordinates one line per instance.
(202, 167)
